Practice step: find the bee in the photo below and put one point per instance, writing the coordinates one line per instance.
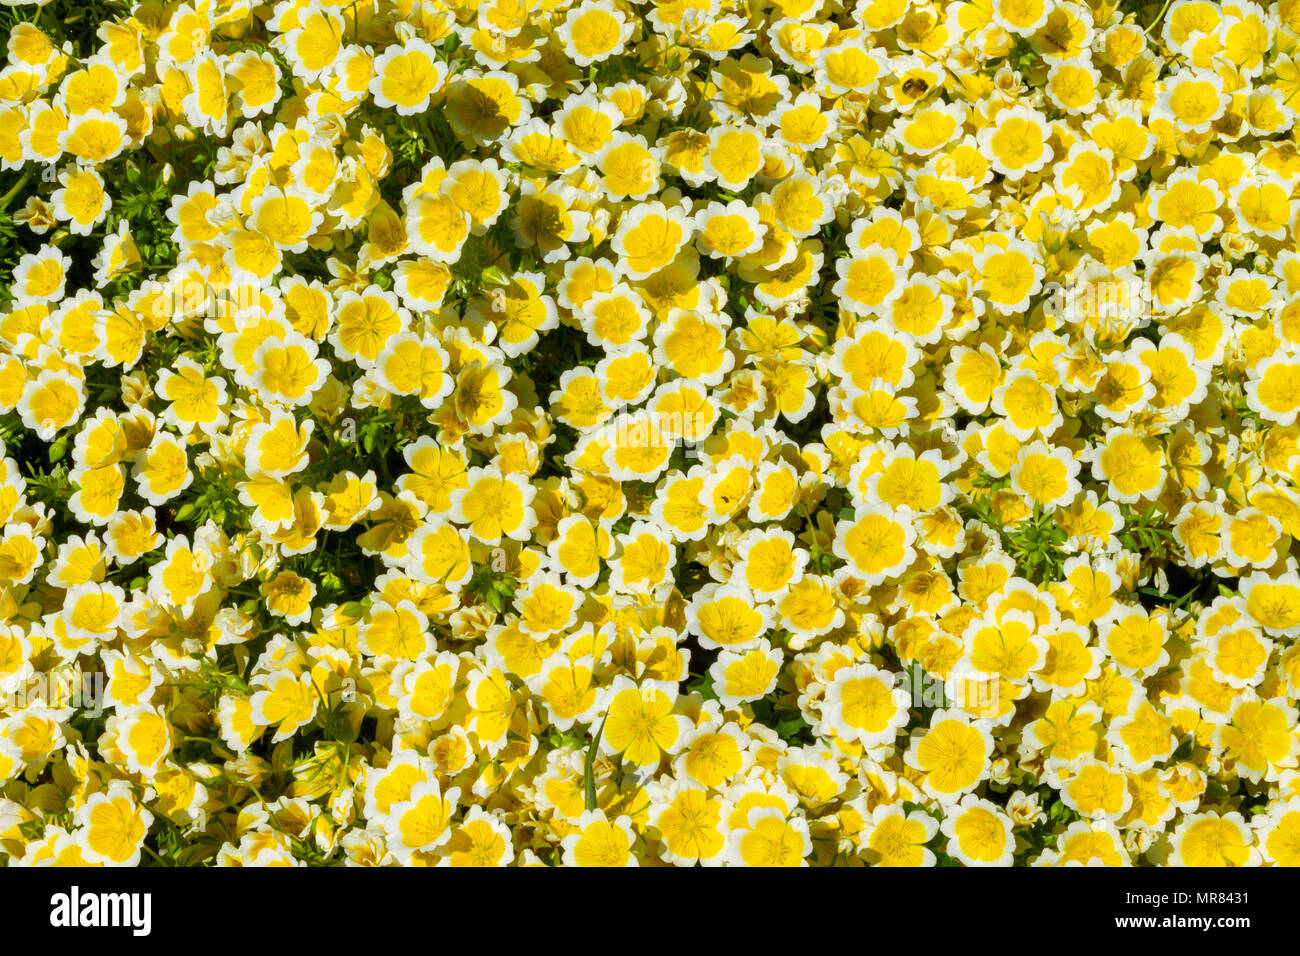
(914, 87)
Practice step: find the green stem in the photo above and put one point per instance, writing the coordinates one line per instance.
(1156, 21)
(147, 849)
(9, 196)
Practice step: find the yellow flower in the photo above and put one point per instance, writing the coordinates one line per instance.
(952, 754)
(114, 826)
(600, 842)
(1211, 839)
(289, 595)
(640, 723)
(406, 76)
(768, 839)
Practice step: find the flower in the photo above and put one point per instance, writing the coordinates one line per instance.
(767, 838)
(600, 842)
(1211, 839)
(514, 434)
(952, 754)
(114, 826)
(640, 724)
(978, 833)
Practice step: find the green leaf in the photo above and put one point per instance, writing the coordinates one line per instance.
(589, 768)
(794, 729)
(702, 685)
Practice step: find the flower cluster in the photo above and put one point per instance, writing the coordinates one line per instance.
(601, 433)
